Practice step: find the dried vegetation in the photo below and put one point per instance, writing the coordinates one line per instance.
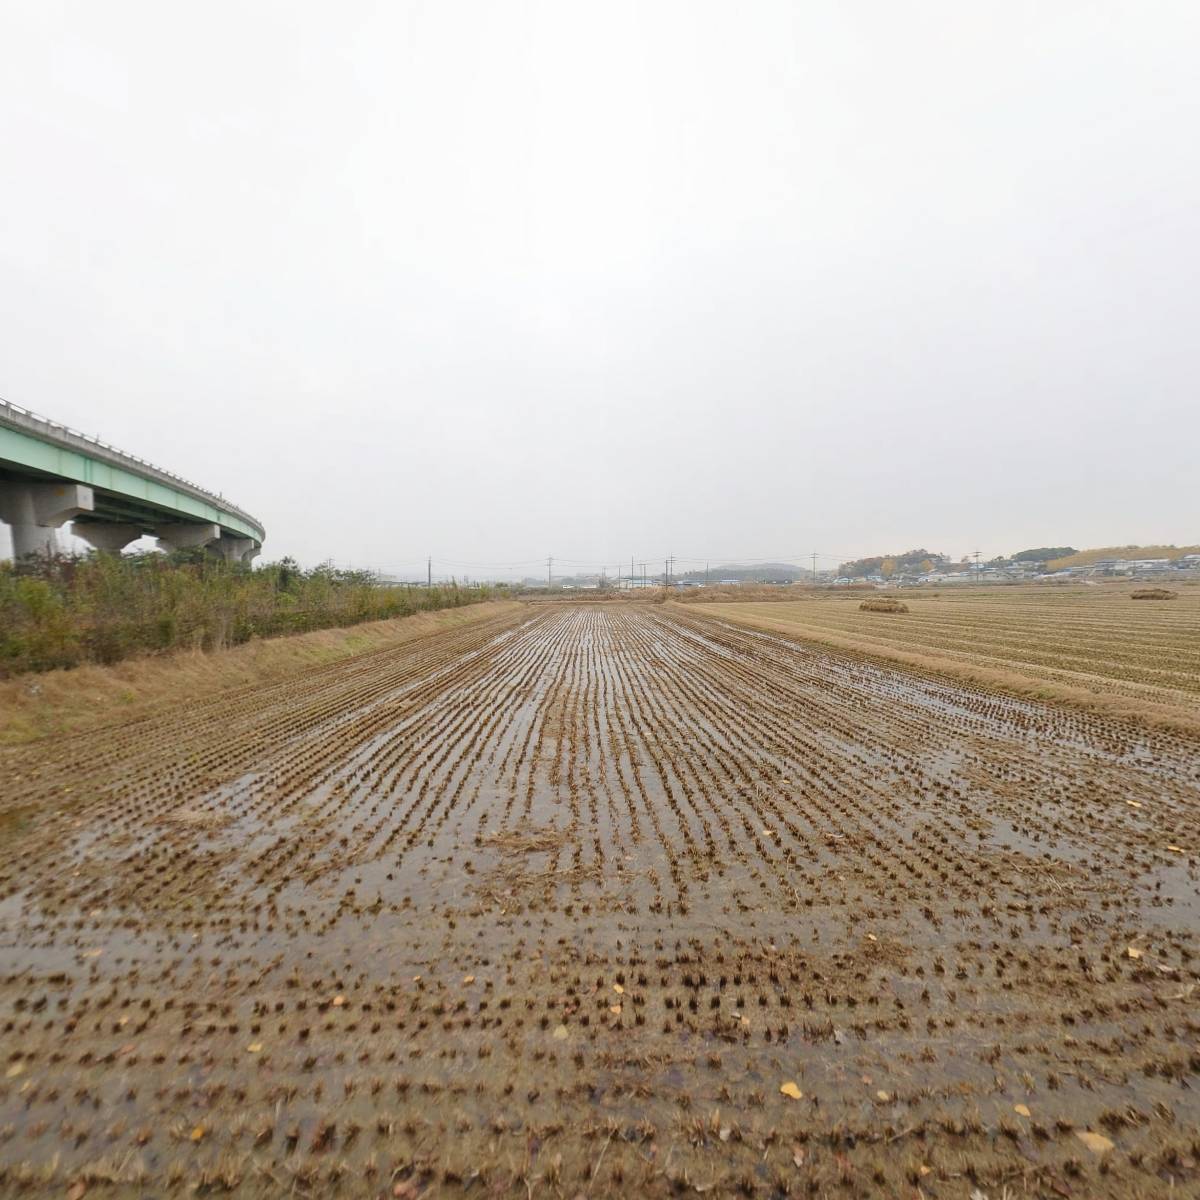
(883, 604)
(1083, 645)
(602, 900)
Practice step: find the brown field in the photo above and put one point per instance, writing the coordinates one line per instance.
(54, 703)
(576, 900)
(1089, 645)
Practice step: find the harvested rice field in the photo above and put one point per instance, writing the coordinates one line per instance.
(1094, 644)
(606, 900)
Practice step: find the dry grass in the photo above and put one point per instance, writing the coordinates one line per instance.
(1082, 645)
(1084, 558)
(1154, 594)
(58, 703)
(883, 604)
(718, 594)
(527, 841)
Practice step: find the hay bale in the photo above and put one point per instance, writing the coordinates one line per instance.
(1154, 594)
(885, 604)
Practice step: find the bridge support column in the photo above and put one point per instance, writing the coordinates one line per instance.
(234, 549)
(187, 535)
(33, 511)
(106, 535)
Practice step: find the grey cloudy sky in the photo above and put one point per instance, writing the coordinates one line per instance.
(500, 280)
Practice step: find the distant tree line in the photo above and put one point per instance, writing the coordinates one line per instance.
(911, 562)
(1043, 553)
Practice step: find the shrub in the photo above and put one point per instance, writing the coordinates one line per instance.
(64, 611)
(1153, 594)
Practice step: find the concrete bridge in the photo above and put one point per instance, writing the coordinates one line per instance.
(50, 475)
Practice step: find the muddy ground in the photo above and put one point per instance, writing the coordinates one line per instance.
(602, 901)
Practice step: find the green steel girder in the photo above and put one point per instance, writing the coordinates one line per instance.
(118, 491)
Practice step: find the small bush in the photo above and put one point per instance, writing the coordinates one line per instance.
(1153, 594)
(884, 604)
(64, 611)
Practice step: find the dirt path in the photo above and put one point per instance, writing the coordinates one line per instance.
(557, 903)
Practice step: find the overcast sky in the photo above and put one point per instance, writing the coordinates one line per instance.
(495, 280)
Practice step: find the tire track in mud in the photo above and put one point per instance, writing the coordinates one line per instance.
(558, 900)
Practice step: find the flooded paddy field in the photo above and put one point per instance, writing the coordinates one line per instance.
(603, 900)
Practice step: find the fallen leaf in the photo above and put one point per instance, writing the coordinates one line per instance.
(790, 1089)
(1133, 804)
(93, 953)
(255, 1047)
(872, 938)
(468, 979)
(839, 1036)
(924, 1170)
(798, 1156)
(882, 1095)
(560, 1033)
(1097, 1143)
(618, 989)
(16, 1069)
(725, 1133)
(1022, 1110)
(615, 1009)
(77, 1190)
(1177, 849)
(338, 1001)
(1134, 952)
(198, 1133)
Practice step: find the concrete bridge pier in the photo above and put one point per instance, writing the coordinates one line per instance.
(235, 549)
(106, 535)
(187, 534)
(33, 511)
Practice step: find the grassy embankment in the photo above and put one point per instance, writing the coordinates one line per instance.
(1091, 647)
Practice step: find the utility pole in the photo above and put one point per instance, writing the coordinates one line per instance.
(643, 574)
(429, 572)
(706, 574)
(976, 566)
(549, 568)
(814, 558)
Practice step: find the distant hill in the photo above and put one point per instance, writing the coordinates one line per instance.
(1044, 554)
(910, 562)
(1084, 558)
